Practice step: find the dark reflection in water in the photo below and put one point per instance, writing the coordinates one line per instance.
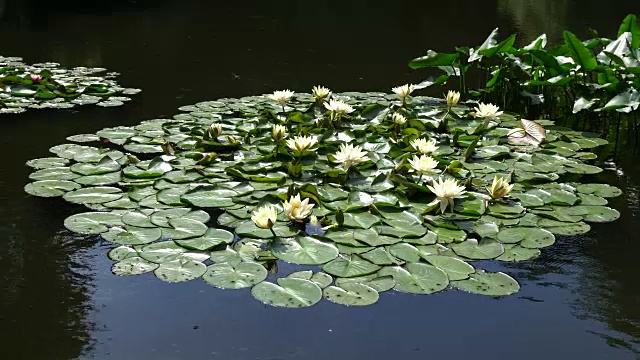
(580, 299)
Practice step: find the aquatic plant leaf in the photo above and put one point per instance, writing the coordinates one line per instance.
(602, 190)
(93, 195)
(122, 252)
(289, 293)
(352, 267)
(304, 250)
(133, 266)
(184, 228)
(514, 253)
(417, 278)
(131, 235)
(237, 276)
(484, 250)
(378, 283)
(490, 284)
(55, 173)
(351, 294)
(180, 270)
(455, 269)
(50, 188)
(92, 223)
(579, 52)
(211, 238)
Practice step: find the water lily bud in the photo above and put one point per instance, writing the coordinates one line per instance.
(278, 132)
(499, 188)
(215, 130)
(313, 220)
(35, 78)
(265, 216)
(453, 97)
(398, 119)
(232, 139)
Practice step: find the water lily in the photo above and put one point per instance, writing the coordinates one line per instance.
(215, 130)
(487, 111)
(398, 119)
(499, 188)
(423, 164)
(281, 96)
(302, 143)
(278, 132)
(265, 216)
(404, 90)
(296, 209)
(320, 93)
(423, 146)
(453, 97)
(35, 78)
(446, 191)
(338, 107)
(349, 155)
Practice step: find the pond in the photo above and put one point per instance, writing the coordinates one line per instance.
(579, 299)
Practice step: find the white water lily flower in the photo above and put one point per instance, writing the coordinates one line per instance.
(281, 96)
(423, 146)
(296, 209)
(265, 216)
(499, 188)
(349, 155)
(404, 90)
(423, 164)
(215, 130)
(398, 119)
(302, 143)
(453, 97)
(487, 111)
(321, 92)
(338, 107)
(278, 132)
(445, 192)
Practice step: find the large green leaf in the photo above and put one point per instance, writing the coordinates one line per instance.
(417, 278)
(630, 24)
(351, 294)
(180, 270)
(491, 284)
(238, 276)
(352, 267)
(304, 250)
(579, 52)
(290, 293)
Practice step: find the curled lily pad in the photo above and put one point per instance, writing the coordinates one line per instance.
(290, 293)
(238, 276)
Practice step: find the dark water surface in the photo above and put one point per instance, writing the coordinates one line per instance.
(59, 300)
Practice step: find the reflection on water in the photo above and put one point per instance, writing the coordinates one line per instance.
(59, 300)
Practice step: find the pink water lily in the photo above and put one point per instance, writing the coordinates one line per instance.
(35, 77)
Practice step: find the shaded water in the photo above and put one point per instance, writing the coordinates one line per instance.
(58, 300)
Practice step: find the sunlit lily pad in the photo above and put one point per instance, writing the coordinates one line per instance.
(290, 293)
(491, 284)
(238, 276)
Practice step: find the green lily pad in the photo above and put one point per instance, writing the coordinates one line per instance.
(94, 195)
(238, 276)
(289, 293)
(484, 250)
(602, 190)
(513, 253)
(455, 269)
(180, 270)
(92, 223)
(417, 278)
(304, 250)
(490, 284)
(184, 228)
(50, 188)
(133, 266)
(352, 267)
(351, 294)
(210, 239)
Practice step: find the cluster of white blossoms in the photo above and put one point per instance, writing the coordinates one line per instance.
(349, 155)
(302, 143)
(423, 146)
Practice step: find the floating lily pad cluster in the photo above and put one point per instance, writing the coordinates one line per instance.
(177, 195)
(45, 85)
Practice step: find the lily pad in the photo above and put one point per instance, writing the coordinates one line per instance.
(491, 284)
(304, 250)
(180, 270)
(290, 293)
(351, 294)
(417, 278)
(133, 266)
(238, 276)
